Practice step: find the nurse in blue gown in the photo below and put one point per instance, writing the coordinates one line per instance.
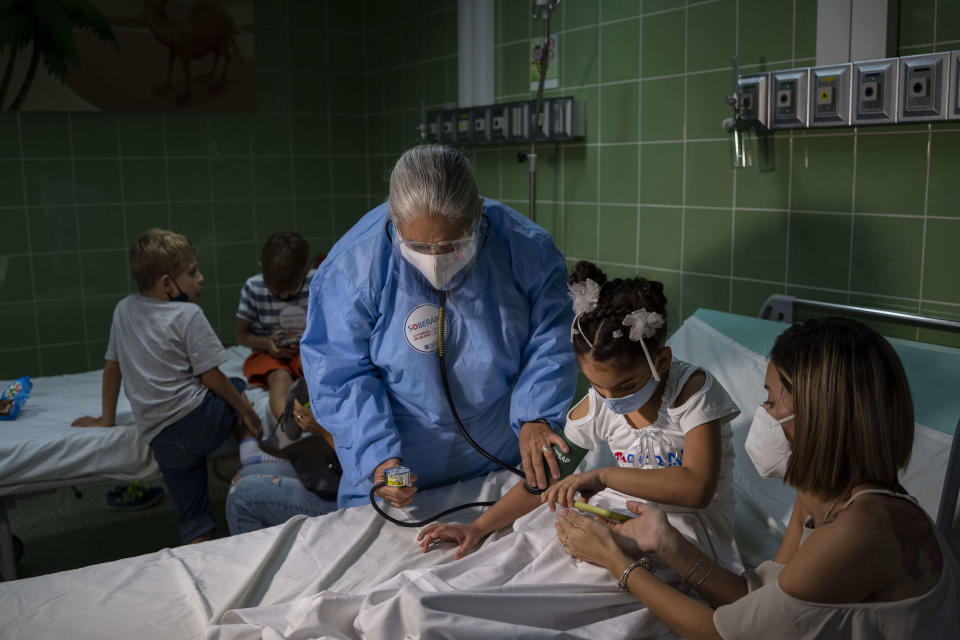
(370, 349)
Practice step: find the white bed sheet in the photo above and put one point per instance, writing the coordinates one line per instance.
(40, 446)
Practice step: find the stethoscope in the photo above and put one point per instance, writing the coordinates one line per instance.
(441, 359)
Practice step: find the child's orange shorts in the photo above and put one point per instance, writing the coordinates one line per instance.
(259, 364)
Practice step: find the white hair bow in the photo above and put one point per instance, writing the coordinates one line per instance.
(643, 324)
(585, 296)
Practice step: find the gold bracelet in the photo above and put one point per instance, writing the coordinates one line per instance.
(700, 581)
(686, 581)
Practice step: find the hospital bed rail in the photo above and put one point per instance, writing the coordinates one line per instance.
(784, 308)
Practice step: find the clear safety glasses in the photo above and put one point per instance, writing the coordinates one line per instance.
(438, 248)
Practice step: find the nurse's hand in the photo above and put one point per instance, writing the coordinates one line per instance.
(464, 535)
(536, 445)
(397, 496)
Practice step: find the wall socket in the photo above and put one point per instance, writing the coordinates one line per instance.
(753, 97)
(788, 98)
(923, 87)
(874, 92)
(830, 96)
(953, 105)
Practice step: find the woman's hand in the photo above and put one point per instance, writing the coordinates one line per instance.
(564, 492)
(464, 535)
(587, 539)
(536, 445)
(649, 532)
(397, 496)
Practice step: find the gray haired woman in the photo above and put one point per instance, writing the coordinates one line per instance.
(370, 349)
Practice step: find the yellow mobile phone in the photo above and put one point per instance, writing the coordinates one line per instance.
(600, 511)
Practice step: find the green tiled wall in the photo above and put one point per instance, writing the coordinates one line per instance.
(77, 189)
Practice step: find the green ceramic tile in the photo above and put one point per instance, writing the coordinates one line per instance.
(194, 220)
(486, 168)
(346, 93)
(273, 91)
(805, 29)
(819, 250)
(345, 137)
(663, 44)
(271, 177)
(101, 227)
(766, 30)
(618, 173)
(620, 105)
(186, 135)
(944, 161)
(512, 74)
(916, 22)
(822, 173)
(53, 229)
(271, 135)
(209, 304)
(17, 285)
(589, 96)
(141, 217)
(312, 177)
(661, 109)
(710, 35)
(891, 173)
(237, 262)
(304, 52)
(580, 13)
(45, 135)
(48, 181)
(747, 297)
(308, 14)
(233, 221)
(96, 350)
(766, 184)
(704, 292)
(273, 48)
(661, 173)
(346, 51)
(94, 134)
(17, 326)
(105, 272)
(652, 6)
(940, 337)
(886, 255)
(618, 234)
(579, 174)
(709, 180)
(550, 217)
(412, 89)
(309, 92)
(230, 178)
(448, 30)
(411, 47)
(815, 294)
(9, 135)
(661, 231)
(672, 282)
(580, 231)
(141, 135)
(760, 245)
(345, 15)
(706, 241)
(580, 57)
(98, 181)
(619, 9)
(14, 225)
(144, 180)
(272, 14)
(61, 359)
(311, 135)
(514, 177)
(940, 261)
(11, 183)
(229, 135)
(60, 320)
(18, 362)
(189, 178)
(435, 90)
(620, 51)
(948, 21)
(347, 211)
(273, 216)
(512, 21)
(55, 275)
(349, 175)
(706, 107)
(549, 180)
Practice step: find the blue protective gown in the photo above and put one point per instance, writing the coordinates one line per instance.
(370, 361)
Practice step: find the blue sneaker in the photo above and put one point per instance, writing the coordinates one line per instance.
(133, 497)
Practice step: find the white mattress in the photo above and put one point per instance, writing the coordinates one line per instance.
(40, 446)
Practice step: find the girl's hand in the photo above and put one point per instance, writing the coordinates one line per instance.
(587, 539)
(564, 492)
(462, 534)
(649, 532)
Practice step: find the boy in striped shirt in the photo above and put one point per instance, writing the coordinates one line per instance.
(273, 315)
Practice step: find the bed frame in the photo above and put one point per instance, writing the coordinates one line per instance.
(783, 308)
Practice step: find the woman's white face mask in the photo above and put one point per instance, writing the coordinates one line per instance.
(767, 444)
(440, 268)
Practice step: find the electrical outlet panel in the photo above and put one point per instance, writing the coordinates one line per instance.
(562, 119)
(480, 119)
(874, 92)
(519, 122)
(567, 118)
(830, 96)
(543, 123)
(448, 127)
(953, 105)
(499, 124)
(788, 98)
(464, 126)
(923, 87)
(753, 97)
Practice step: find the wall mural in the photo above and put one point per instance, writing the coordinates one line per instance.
(127, 55)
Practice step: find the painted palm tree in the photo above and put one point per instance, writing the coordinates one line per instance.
(49, 25)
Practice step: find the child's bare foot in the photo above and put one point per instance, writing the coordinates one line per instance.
(202, 538)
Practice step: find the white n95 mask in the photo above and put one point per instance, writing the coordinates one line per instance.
(439, 269)
(767, 445)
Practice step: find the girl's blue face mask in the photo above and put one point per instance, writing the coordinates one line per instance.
(632, 402)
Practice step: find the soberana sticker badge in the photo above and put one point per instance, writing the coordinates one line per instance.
(421, 328)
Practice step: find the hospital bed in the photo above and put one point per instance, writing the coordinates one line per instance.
(40, 452)
(278, 582)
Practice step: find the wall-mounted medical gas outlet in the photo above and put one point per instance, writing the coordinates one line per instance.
(480, 119)
(923, 87)
(752, 92)
(788, 98)
(561, 119)
(499, 124)
(567, 119)
(953, 104)
(519, 122)
(874, 92)
(830, 96)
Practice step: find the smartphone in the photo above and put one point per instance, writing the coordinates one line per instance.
(600, 511)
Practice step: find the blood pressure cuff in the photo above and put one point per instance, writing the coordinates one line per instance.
(568, 462)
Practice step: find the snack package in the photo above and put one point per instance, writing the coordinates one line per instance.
(14, 397)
